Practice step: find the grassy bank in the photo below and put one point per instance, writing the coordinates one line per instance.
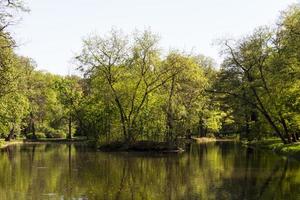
(4, 144)
(204, 139)
(275, 145)
(214, 139)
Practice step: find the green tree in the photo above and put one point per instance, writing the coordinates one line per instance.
(70, 94)
(261, 72)
(130, 70)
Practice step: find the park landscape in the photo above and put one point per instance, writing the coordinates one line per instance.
(135, 122)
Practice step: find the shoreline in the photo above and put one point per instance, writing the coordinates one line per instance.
(272, 145)
(141, 146)
(276, 146)
(203, 139)
(200, 140)
(4, 144)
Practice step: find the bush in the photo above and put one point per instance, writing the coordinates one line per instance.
(38, 135)
(53, 133)
(56, 134)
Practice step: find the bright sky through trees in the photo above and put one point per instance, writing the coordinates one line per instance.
(54, 29)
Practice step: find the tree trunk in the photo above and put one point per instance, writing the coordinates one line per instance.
(247, 127)
(11, 134)
(70, 128)
(132, 132)
(122, 118)
(285, 128)
(32, 126)
(268, 117)
(170, 118)
(297, 136)
(294, 137)
(201, 127)
(170, 128)
(188, 134)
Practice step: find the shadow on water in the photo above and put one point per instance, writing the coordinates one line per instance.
(220, 170)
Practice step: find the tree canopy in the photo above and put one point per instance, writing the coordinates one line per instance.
(131, 90)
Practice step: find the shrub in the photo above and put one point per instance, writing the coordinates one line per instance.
(38, 135)
(55, 134)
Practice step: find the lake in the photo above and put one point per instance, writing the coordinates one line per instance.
(218, 170)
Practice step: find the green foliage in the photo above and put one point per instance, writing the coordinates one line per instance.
(29, 99)
(260, 80)
(38, 135)
(291, 150)
(132, 91)
(50, 132)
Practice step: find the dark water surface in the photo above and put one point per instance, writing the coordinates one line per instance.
(221, 170)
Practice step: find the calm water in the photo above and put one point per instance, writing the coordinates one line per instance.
(208, 171)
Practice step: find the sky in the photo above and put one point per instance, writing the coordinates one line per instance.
(52, 32)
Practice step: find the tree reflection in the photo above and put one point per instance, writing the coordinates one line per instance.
(208, 171)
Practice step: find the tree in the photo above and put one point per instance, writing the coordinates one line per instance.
(130, 71)
(70, 94)
(261, 71)
(184, 94)
(15, 105)
(8, 14)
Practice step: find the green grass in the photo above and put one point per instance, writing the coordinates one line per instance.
(4, 144)
(290, 150)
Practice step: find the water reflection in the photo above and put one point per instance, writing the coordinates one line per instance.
(208, 171)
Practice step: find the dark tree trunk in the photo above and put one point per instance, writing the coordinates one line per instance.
(188, 134)
(33, 130)
(11, 134)
(70, 128)
(286, 131)
(247, 127)
(169, 126)
(297, 136)
(32, 126)
(294, 137)
(268, 117)
(201, 128)
(170, 118)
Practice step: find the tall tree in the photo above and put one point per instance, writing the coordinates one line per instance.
(131, 71)
(70, 94)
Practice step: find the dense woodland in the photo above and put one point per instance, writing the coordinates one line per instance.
(131, 90)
